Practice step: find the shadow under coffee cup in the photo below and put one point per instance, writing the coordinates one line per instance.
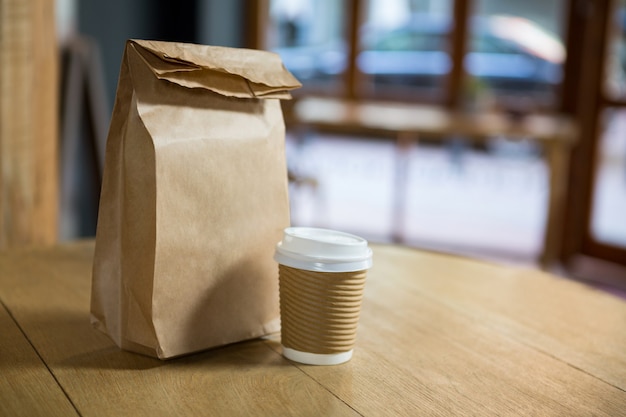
(322, 275)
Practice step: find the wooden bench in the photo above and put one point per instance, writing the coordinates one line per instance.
(408, 123)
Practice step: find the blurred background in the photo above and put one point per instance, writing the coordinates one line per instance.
(486, 200)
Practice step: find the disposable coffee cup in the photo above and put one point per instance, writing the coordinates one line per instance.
(322, 275)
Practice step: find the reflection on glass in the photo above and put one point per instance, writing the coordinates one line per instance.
(615, 81)
(309, 36)
(515, 51)
(608, 222)
(404, 45)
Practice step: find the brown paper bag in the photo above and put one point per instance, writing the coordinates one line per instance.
(194, 198)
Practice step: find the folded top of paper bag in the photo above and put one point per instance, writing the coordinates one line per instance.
(236, 72)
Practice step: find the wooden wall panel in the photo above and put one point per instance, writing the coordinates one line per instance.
(28, 123)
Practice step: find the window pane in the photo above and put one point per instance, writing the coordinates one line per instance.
(404, 47)
(310, 37)
(615, 82)
(608, 222)
(516, 50)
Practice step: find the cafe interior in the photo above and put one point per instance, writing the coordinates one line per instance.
(454, 172)
(490, 129)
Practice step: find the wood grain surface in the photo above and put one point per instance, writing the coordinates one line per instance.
(439, 335)
(26, 386)
(48, 294)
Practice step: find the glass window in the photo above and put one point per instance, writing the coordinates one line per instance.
(516, 50)
(404, 47)
(615, 82)
(309, 35)
(608, 222)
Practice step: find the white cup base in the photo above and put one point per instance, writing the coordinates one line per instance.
(316, 358)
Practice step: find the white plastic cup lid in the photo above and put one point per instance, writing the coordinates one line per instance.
(323, 250)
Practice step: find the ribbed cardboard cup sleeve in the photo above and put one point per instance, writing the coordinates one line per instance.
(320, 310)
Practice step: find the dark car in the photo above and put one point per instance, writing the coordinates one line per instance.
(508, 53)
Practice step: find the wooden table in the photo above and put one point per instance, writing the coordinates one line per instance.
(439, 335)
(408, 123)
